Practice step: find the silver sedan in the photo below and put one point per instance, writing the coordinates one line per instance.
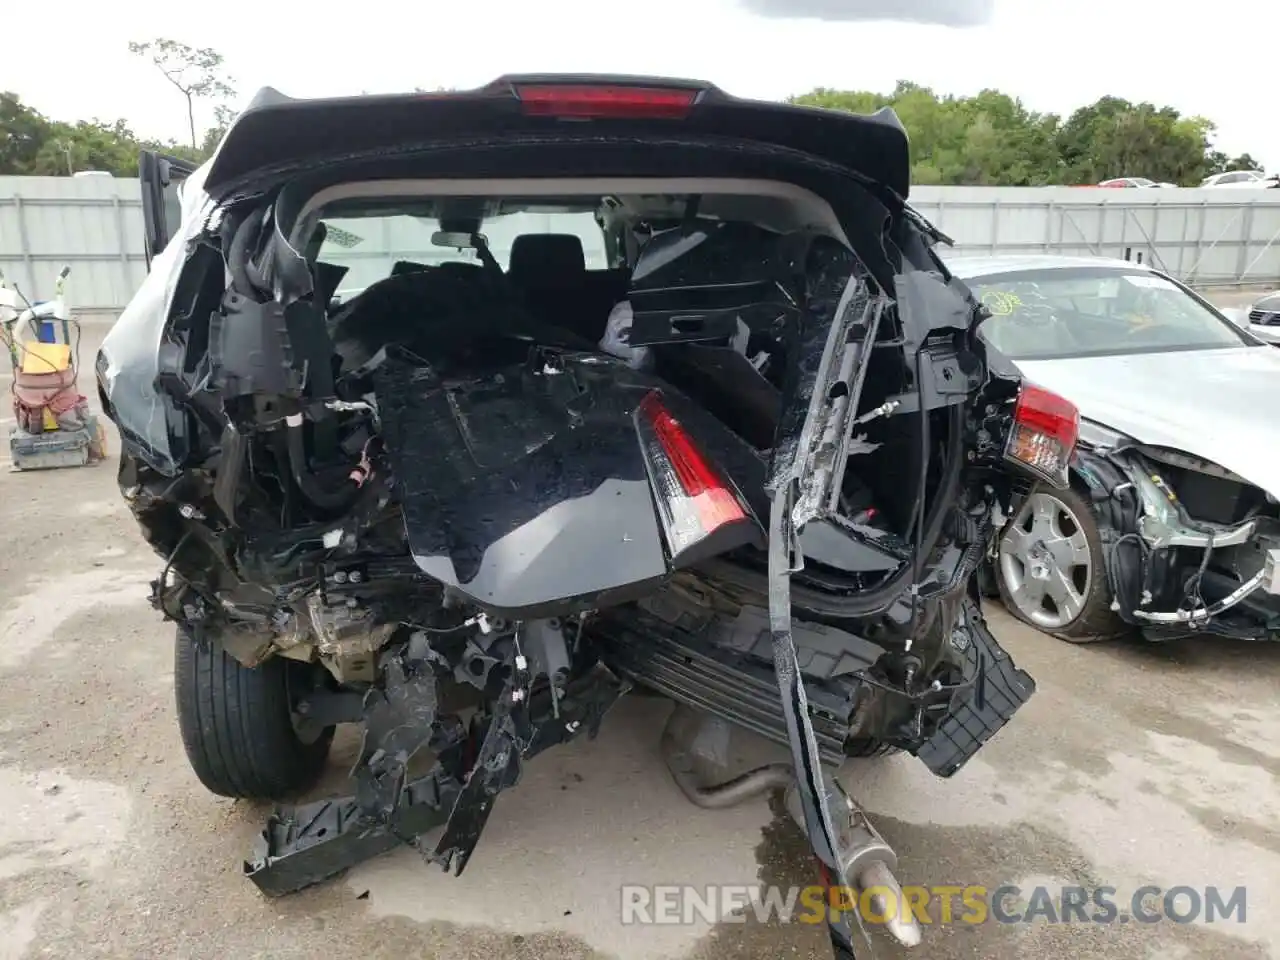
(1172, 523)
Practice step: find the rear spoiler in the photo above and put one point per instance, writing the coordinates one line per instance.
(277, 135)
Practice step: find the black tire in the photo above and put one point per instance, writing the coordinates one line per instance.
(1096, 620)
(237, 725)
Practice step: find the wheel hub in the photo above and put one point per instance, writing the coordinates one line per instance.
(1044, 556)
(1041, 562)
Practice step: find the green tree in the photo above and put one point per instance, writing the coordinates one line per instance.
(1116, 138)
(223, 116)
(23, 133)
(991, 138)
(1219, 162)
(197, 73)
(33, 145)
(88, 145)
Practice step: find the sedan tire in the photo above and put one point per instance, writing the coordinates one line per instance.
(1051, 571)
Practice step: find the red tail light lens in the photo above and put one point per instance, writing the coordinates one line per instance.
(595, 102)
(693, 498)
(1043, 436)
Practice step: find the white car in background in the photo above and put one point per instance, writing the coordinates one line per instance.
(1140, 182)
(1265, 311)
(1240, 178)
(1262, 319)
(1172, 520)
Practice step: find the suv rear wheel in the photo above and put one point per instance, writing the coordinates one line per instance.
(239, 728)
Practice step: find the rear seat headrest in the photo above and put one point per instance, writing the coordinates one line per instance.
(543, 255)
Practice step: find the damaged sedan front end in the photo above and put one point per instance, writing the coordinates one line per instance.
(1171, 520)
(1203, 561)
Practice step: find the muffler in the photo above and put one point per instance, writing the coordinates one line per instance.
(695, 744)
(867, 863)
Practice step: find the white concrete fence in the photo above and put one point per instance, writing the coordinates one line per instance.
(1205, 237)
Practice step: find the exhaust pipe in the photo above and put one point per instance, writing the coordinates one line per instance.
(877, 876)
(683, 768)
(867, 862)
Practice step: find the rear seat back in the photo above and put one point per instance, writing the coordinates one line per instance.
(541, 260)
(550, 270)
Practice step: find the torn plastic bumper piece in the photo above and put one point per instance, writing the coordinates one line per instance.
(508, 740)
(315, 841)
(999, 688)
(308, 844)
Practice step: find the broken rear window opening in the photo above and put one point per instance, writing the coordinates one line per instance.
(1088, 312)
(465, 464)
(372, 242)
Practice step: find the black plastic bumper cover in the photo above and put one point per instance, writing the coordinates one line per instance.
(999, 689)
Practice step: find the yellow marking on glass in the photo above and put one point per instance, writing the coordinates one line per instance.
(1001, 303)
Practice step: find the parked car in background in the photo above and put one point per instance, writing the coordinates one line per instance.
(1172, 521)
(1239, 178)
(1268, 329)
(1266, 312)
(1264, 316)
(1141, 182)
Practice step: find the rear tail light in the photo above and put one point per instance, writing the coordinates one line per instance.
(581, 102)
(701, 513)
(1042, 438)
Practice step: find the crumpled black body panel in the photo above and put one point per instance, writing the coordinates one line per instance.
(525, 489)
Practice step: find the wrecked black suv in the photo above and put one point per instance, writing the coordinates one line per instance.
(459, 416)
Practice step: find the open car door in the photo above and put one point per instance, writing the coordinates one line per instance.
(161, 177)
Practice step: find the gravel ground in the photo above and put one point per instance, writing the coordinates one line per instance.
(1133, 764)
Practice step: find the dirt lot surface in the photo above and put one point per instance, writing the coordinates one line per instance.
(1133, 764)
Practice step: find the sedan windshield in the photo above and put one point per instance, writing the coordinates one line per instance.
(1091, 312)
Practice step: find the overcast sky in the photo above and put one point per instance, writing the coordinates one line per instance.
(1216, 61)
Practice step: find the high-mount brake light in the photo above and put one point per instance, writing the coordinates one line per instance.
(1043, 436)
(582, 102)
(694, 500)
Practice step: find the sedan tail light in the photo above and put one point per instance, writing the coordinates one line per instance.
(1042, 439)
